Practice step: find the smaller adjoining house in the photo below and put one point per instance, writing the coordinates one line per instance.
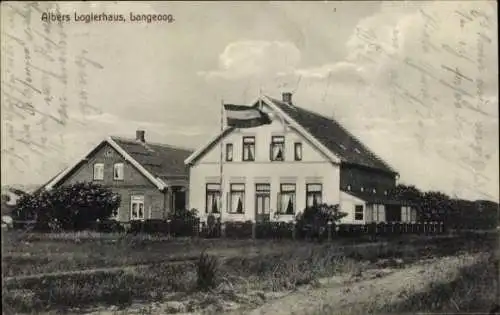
(151, 178)
(275, 158)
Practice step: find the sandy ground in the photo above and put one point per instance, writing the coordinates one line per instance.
(376, 286)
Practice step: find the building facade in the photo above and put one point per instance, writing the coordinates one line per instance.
(274, 171)
(151, 178)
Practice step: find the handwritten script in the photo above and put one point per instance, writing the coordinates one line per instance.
(38, 86)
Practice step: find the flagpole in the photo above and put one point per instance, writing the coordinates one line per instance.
(221, 160)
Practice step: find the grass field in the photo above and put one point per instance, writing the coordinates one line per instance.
(246, 269)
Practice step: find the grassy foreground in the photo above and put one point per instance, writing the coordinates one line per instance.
(241, 267)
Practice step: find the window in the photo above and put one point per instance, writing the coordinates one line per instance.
(116, 215)
(229, 152)
(286, 199)
(358, 212)
(118, 171)
(377, 213)
(137, 207)
(277, 151)
(248, 148)
(362, 189)
(99, 171)
(298, 151)
(237, 198)
(413, 213)
(349, 187)
(213, 198)
(314, 194)
(262, 200)
(408, 214)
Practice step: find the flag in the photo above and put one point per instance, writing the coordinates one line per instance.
(241, 116)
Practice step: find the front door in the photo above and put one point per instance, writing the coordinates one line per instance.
(178, 198)
(262, 202)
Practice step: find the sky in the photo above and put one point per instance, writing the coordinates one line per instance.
(415, 81)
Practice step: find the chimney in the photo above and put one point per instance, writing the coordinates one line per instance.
(139, 135)
(287, 98)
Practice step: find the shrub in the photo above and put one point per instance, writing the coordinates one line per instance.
(73, 207)
(313, 221)
(206, 268)
(109, 226)
(239, 229)
(274, 230)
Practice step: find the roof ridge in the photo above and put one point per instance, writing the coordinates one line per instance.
(152, 143)
(340, 125)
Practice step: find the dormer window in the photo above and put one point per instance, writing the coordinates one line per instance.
(374, 191)
(349, 187)
(385, 192)
(248, 148)
(362, 189)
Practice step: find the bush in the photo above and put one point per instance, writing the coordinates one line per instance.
(73, 207)
(239, 229)
(313, 221)
(206, 268)
(109, 226)
(274, 230)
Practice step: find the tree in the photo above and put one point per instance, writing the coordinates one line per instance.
(73, 207)
(407, 193)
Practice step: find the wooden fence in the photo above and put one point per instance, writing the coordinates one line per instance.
(264, 230)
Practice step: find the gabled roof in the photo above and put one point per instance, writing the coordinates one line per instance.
(333, 140)
(334, 137)
(161, 160)
(157, 162)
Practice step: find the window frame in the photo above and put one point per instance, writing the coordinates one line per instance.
(230, 199)
(122, 169)
(297, 145)
(313, 192)
(294, 198)
(138, 218)
(245, 146)
(229, 148)
(356, 212)
(94, 171)
(262, 193)
(274, 141)
(211, 192)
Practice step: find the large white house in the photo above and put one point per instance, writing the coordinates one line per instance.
(273, 171)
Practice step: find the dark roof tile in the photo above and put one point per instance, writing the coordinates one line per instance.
(160, 160)
(334, 137)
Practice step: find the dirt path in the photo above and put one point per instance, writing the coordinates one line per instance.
(341, 296)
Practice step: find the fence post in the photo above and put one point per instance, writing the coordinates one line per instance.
(223, 229)
(198, 228)
(329, 230)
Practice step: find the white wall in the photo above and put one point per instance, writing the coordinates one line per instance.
(314, 168)
(347, 204)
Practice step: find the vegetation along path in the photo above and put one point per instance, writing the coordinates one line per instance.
(342, 296)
